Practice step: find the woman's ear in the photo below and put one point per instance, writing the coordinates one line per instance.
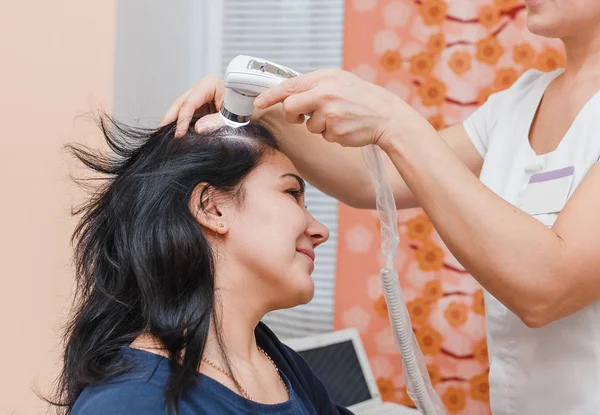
(207, 205)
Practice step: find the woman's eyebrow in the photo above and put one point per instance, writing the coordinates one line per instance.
(300, 180)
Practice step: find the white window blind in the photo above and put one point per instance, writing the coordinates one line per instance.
(304, 35)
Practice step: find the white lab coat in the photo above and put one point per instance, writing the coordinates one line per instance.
(554, 370)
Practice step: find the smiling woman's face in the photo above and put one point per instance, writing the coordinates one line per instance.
(271, 237)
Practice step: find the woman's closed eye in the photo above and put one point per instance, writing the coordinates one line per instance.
(297, 191)
(296, 194)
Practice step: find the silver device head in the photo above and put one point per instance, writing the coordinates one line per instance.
(246, 78)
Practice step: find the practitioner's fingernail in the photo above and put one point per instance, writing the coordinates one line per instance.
(259, 102)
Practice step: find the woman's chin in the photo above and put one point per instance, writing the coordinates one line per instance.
(307, 297)
(304, 291)
(294, 300)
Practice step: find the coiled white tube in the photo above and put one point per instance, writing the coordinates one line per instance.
(418, 384)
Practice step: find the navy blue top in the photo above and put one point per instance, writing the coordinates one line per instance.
(140, 391)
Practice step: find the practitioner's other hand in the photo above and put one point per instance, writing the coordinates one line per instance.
(206, 97)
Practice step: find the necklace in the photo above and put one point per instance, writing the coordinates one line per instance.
(239, 386)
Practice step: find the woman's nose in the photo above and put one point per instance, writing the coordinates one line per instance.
(317, 232)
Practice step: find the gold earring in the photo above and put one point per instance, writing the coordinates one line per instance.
(221, 225)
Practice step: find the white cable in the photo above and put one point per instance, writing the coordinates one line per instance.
(418, 384)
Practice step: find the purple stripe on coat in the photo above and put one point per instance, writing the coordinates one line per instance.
(552, 175)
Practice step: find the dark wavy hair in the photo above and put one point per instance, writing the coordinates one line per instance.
(142, 261)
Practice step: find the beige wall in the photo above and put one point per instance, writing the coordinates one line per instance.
(56, 61)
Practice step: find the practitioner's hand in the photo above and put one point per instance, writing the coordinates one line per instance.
(343, 108)
(206, 97)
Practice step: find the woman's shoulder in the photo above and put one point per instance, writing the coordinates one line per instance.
(533, 76)
(529, 81)
(138, 390)
(525, 92)
(128, 397)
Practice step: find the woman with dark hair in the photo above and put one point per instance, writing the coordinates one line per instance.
(179, 254)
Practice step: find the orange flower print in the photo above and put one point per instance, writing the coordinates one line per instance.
(434, 373)
(381, 307)
(391, 60)
(489, 50)
(430, 257)
(505, 77)
(478, 304)
(484, 94)
(432, 92)
(437, 122)
(489, 16)
(454, 399)
(480, 351)
(405, 399)
(421, 64)
(429, 340)
(480, 387)
(456, 314)
(418, 310)
(386, 389)
(460, 62)
(549, 60)
(419, 228)
(436, 43)
(505, 5)
(433, 291)
(523, 54)
(433, 11)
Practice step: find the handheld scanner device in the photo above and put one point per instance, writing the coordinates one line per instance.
(246, 78)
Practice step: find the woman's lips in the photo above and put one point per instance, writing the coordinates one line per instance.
(308, 252)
